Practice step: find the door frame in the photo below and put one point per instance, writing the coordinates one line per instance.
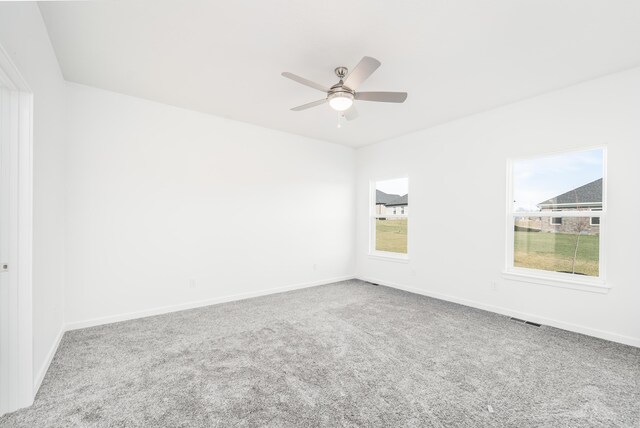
(16, 143)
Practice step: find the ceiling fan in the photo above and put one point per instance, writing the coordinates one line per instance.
(342, 95)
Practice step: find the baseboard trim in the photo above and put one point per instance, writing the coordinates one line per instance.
(198, 304)
(606, 335)
(45, 367)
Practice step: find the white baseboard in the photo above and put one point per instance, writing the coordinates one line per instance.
(197, 304)
(37, 382)
(614, 337)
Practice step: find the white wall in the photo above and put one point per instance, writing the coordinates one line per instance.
(457, 175)
(149, 191)
(24, 36)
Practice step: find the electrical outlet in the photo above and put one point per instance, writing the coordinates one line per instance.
(494, 285)
(315, 266)
(192, 283)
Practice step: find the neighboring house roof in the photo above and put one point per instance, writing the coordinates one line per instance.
(400, 200)
(384, 198)
(590, 193)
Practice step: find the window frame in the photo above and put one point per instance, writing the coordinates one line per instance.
(566, 280)
(373, 215)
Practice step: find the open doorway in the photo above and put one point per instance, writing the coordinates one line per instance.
(16, 368)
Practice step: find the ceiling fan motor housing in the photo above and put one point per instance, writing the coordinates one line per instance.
(339, 96)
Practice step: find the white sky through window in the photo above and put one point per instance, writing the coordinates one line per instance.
(536, 180)
(397, 186)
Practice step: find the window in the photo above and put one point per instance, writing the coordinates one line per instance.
(389, 222)
(555, 217)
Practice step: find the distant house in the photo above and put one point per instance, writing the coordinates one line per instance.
(583, 198)
(391, 204)
(399, 205)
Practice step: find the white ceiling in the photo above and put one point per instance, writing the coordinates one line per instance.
(454, 58)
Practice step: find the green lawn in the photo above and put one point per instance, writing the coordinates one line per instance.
(554, 252)
(534, 250)
(391, 235)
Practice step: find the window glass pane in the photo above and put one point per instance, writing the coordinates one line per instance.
(391, 235)
(572, 247)
(391, 210)
(568, 181)
(392, 195)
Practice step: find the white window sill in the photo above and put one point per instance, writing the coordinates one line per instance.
(573, 284)
(389, 257)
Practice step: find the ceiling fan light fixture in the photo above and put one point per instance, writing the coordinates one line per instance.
(340, 101)
(342, 95)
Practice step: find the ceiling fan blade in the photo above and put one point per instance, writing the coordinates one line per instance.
(351, 113)
(361, 72)
(384, 97)
(305, 82)
(309, 105)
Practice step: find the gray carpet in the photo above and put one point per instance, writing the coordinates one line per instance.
(346, 354)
